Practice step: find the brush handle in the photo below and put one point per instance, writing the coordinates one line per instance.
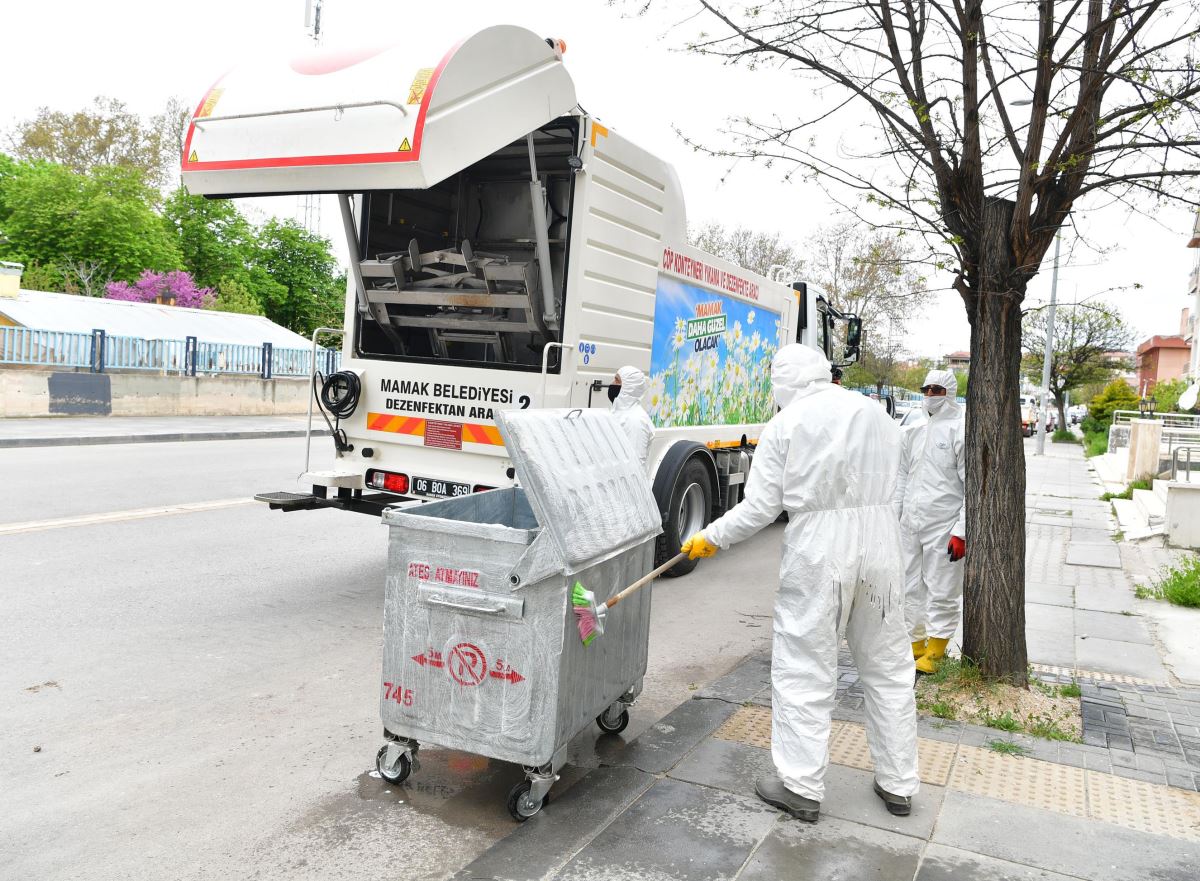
(645, 579)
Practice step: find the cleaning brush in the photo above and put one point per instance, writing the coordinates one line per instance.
(589, 616)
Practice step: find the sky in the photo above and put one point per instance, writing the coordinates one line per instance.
(629, 71)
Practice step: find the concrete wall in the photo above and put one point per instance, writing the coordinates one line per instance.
(1183, 515)
(1145, 444)
(63, 392)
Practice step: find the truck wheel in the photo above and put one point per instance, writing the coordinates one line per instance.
(689, 512)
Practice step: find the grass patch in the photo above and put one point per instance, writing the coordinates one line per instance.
(1095, 443)
(1004, 722)
(1178, 585)
(1007, 748)
(957, 690)
(1127, 493)
(1046, 727)
(944, 710)
(1063, 436)
(955, 671)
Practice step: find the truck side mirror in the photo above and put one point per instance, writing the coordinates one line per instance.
(853, 332)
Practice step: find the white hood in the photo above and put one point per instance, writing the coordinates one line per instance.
(947, 379)
(633, 388)
(794, 368)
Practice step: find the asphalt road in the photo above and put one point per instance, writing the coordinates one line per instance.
(194, 694)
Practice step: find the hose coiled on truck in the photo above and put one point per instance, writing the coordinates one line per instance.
(340, 393)
(338, 397)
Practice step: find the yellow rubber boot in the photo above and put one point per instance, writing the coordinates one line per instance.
(934, 652)
(918, 649)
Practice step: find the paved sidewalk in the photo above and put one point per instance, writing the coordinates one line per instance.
(678, 802)
(72, 430)
(1080, 610)
(1084, 624)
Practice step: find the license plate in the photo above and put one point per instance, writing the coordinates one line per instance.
(442, 489)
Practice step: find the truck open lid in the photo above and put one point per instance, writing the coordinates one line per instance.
(372, 119)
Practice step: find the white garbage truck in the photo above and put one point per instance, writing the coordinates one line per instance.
(506, 250)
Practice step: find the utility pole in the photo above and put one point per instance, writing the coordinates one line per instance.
(1042, 411)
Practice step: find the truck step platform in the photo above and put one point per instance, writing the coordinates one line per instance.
(289, 501)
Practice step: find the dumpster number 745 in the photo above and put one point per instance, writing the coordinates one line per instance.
(398, 693)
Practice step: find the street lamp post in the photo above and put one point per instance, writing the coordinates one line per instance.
(1042, 412)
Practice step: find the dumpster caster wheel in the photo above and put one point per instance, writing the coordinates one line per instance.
(520, 805)
(613, 723)
(396, 774)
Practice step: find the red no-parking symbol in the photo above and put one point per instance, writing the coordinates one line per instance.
(467, 664)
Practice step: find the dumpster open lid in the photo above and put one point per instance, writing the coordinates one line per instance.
(391, 117)
(585, 484)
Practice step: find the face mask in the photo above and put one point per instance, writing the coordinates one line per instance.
(932, 404)
(613, 391)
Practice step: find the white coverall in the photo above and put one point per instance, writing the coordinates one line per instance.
(632, 415)
(930, 502)
(829, 459)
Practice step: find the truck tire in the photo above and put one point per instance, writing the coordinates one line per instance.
(689, 511)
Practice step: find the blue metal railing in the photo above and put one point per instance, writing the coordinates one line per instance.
(20, 345)
(100, 351)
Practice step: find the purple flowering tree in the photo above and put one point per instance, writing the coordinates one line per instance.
(176, 286)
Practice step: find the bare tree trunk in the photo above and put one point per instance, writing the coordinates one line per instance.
(994, 585)
(1060, 403)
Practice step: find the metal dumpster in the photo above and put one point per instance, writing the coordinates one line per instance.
(481, 649)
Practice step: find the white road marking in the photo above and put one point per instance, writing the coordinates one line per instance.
(118, 516)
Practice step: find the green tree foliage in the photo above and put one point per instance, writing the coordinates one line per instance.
(310, 292)
(964, 381)
(216, 241)
(219, 246)
(92, 228)
(37, 277)
(911, 376)
(1166, 395)
(1117, 395)
(857, 376)
(104, 134)
(1083, 335)
(233, 296)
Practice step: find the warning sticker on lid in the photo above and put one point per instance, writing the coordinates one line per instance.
(210, 102)
(419, 84)
(445, 435)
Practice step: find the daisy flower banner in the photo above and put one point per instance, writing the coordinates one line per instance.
(711, 361)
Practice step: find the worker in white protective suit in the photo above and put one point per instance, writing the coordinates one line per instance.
(626, 393)
(930, 502)
(829, 459)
